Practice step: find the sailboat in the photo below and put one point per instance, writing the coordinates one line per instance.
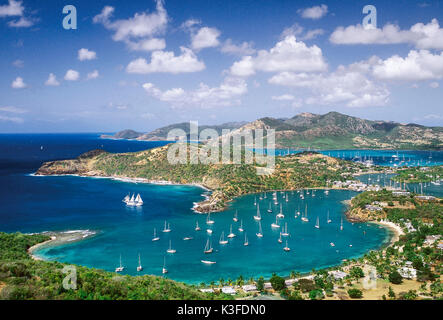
(208, 247)
(208, 262)
(139, 268)
(246, 243)
(275, 225)
(305, 217)
(332, 244)
(279, 239)
(170, 250)
(167, 228)
(133, 201)
(208, 219)
(231, 234)
(285, 232)
(241, 226)
(164, 270)
(235, 216)
(260, 233)
(126, 199)
(341, 224)
(286, 248)
(280, 215)
(155, 238)
(258, 216)
(209, 231)
(138, 200)
(255, 200)
(197, 228)
(270, 207)
(317, 223)
(328, 220)
(222, 238)
(120, 268)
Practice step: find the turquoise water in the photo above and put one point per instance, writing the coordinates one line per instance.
(36, 204)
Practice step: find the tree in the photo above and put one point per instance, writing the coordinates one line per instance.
(261, 284)
(391, 293)
(356, 272)
(316, 294)
(355, 293)
(395, 277)
(277, 282)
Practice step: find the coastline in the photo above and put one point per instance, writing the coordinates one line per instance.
(396, 229)
(59, 238)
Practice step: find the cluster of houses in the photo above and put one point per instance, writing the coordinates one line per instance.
(355, 185)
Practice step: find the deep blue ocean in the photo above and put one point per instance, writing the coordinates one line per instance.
(36, 204)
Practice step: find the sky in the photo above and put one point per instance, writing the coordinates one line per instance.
(145, 64)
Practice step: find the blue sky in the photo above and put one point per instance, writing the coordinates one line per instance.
(145, 64)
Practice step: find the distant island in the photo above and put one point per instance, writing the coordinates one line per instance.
(332, 130)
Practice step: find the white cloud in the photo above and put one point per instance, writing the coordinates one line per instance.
(92, 75)
(245, 48)
(190, 24)
(136, 31)
(299, 32)
(11, 119)
(18, 83)
(434, 85)
(13, 8)
(284, 97)
(12, 109)
(349, 85)
(315, 12)
(86, 54)
(72, 75)
(227, 94)
(418, 65)
(205, 38)
(52, 80)
(287, 55)
(166, 61)
(422, 36)
(18, 63)
(23, 22)
(147, 45)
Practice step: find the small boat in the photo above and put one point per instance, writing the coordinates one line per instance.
(164, 270)
(279, 239)
(170, 250)
(255, 200)
(317, 223)
(208, 247)
(280, 215)
(260, 232)
(120, 268)
(241, 226)
(208, 262)
(305, 216)
(231, 235)
(285, 232)
(222, 238)
(332, 244)
(341, 224)
(197, 228)
(350, 245)
(208, 219)
(326, 192)
(188, 238)
(139, 267)
(167, 227)
(209, 231)
(235, 217)
(246, 243)
(270, 207)
(327, 219)
(286, 248)
(155, 238)
(258, 216)
(275, 225)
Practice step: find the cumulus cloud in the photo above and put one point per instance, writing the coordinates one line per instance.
(52, 80)
(227, 94)
(18, 63)
(137, 30)
(18, 83)
(299, 32)
(72, 75)
(418, 65)
(245, 48)
(147, 45)
(11, 119)
(166, 61)
(283, 97)
(348, 85)
(92, 75)
(422, 36)
(86, 54)
(12, 109)
(205, 37)
(434, 85)
(315, 12)
(287, 55)
(13, 8)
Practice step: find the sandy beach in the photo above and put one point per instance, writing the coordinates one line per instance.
(396, 229)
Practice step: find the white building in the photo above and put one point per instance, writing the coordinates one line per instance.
(249, 287)
(228, 290)
(407, 272)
